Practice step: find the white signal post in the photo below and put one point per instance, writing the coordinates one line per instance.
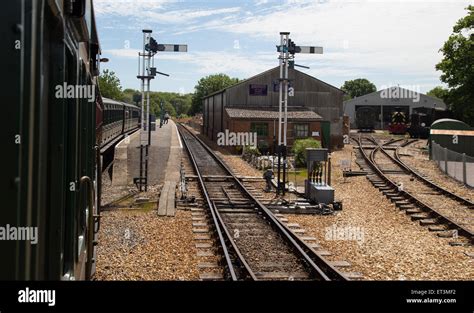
(148, 72)
(146, 63)
(287, 50)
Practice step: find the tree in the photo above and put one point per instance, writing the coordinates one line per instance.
(175, 104)
(128, 95)
(438, 92)
(358, 87)
(182, 104)
(208, 85)
(457, 66)
(109, 85)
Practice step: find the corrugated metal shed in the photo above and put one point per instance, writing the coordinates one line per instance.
(389, 98)
(262, 91)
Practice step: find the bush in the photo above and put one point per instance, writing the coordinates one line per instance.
(299, 149)
(250, 151)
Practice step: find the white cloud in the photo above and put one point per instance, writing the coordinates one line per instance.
(127, 7)
(127, 53)
(155, 10)
(210, 62)
(392, 36)
(360, 38)
(181, 16)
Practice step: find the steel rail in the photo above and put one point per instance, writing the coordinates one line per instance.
(315, 262)
(230, 266)
(411, 198)
(397, 159)
(431, 184)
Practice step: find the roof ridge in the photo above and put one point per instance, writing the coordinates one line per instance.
(270, 113)
(263, 73)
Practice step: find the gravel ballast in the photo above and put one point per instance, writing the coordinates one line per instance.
(139, 245)
(378, 239)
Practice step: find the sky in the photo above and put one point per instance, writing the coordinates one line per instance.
(388, 42)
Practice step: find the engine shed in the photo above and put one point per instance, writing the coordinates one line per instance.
(384, 102)
(315, 109)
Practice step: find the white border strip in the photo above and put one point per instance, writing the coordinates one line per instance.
(179, 137)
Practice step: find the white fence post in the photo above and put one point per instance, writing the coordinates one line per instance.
(464, 169)
(445, 160)
(431, 152)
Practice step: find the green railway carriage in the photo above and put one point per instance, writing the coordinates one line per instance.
(119, 118)
(50, 155)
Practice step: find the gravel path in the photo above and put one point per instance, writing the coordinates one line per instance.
(378, 239)
(139, 245)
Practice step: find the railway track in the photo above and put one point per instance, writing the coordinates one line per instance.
(254, 244)
(434, 207)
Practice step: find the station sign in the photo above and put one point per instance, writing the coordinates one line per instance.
(258, 90)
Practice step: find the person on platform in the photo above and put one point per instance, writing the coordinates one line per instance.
(167, 116)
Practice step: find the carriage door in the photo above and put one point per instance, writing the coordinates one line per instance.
(75, 216)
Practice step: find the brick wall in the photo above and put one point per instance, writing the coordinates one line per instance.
(240, 125)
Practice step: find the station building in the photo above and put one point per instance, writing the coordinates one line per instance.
(387, 100)
(315, 110)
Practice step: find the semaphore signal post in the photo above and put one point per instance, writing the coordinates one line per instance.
(146, 72)
(287, 50)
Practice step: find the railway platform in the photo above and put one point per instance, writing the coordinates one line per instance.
(163, 163)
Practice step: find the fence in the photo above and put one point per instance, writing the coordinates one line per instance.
(457, 165)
